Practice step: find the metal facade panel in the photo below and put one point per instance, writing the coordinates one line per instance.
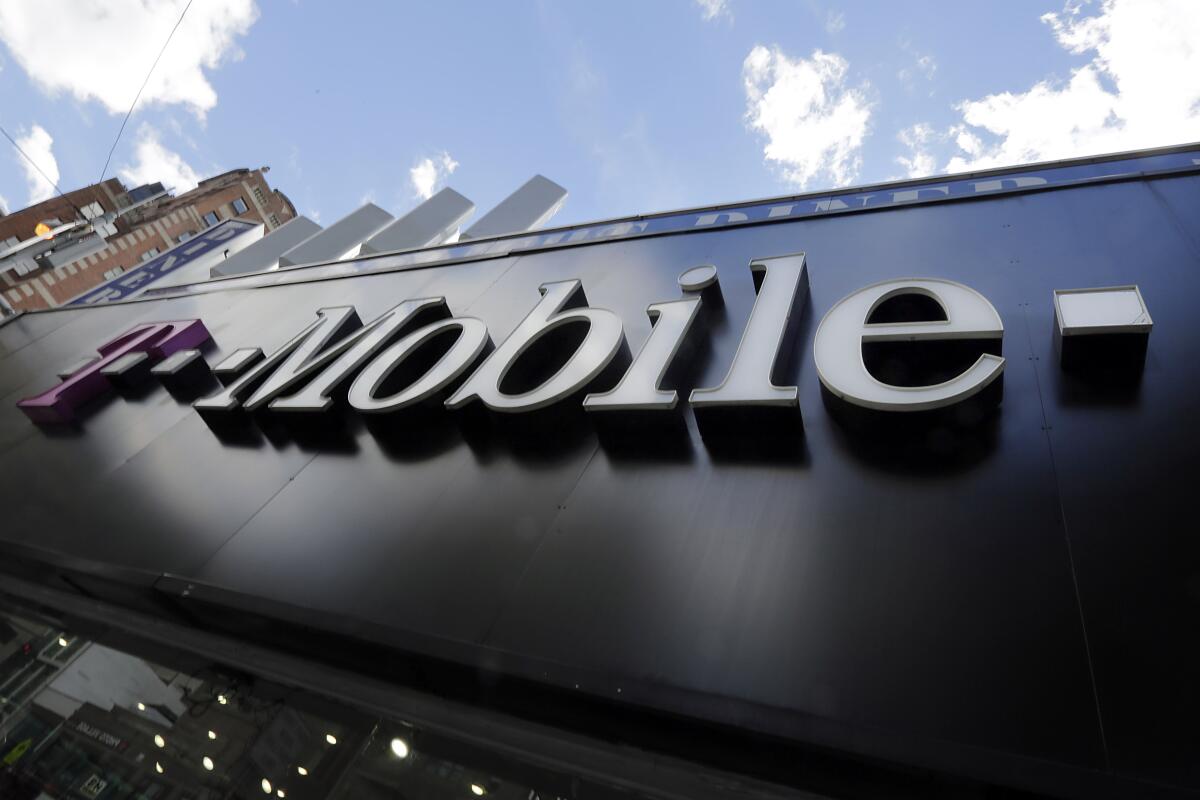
(339, 238)
(1125, 453)
(265, 253)
(944, 604)
(529, 207)
(430, 223)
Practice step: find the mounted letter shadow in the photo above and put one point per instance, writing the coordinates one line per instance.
(901, 361)
(1101, 336)
(642, 413)
(129, 375)
(402, 392)
(748, 404)
(534, 381)
(186, 375)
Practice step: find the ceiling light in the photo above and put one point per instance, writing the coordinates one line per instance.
(400, 748)
(266, 786)
(281, 793)
(212, 734)
(62, 641)
(208, 763)
(302, 770)
(478, 790)
(159, 741)
(141, 706)
(329, 737)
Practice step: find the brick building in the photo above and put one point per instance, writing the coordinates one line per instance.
(139, 233)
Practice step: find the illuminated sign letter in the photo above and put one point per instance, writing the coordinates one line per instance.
(602, 343)
(638, 389)
(472, 341)
(311, 350)
(838, 345)
(370, 340)
(157, 339)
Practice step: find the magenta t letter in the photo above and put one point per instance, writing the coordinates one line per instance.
(159, 339)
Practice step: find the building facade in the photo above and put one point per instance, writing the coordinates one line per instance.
(137, 235)
(882, 491)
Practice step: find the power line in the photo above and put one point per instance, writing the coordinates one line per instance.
(138, 96)
(128, 114)
(40, 172)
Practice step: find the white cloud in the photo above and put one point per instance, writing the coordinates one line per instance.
(430, 173)
(813, 122)
(1140, 88)
(156, 163)
(711, 9)
(835, 22)
(920, 162)
(101, 51)
(4, 207)
(923, 65)
(38, 145)
(294, 161)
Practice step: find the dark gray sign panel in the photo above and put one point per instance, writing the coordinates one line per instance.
(1005, 593)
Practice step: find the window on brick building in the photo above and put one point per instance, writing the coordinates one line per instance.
(239, 205)
(211, 218)
(112, 273)
(274, 220)
(149, 254)
(183, 237)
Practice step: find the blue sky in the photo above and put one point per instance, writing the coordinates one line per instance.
(633, 106)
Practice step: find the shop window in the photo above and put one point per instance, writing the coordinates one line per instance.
(108, 723)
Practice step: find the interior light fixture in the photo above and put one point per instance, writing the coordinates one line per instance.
(159, 741)
(329, 737)
(399, 748)
(302, 771)
(478, 790)
(158, 767)
(212, 734)
(208, 763)
(266, 786)
(141, 706)
(62, 641)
